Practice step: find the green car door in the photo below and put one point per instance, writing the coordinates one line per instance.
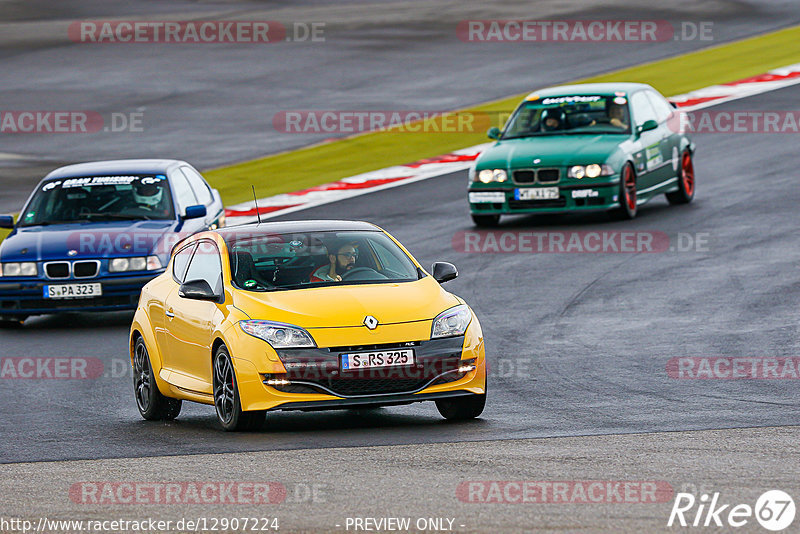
(653, 155)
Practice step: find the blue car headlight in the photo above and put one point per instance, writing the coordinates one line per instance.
(279, 335)
(452, 322)
(27, 268)
(139, 263)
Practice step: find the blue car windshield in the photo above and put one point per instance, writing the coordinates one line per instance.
(99, 198)
(570, 114)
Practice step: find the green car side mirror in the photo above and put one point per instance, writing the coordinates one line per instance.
(493, 133)
(647, 126)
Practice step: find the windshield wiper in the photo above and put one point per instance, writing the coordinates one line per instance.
(49, 223)
(532, 134)
(118, 216)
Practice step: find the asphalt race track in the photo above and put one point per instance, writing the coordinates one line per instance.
(577, 343)
(214, 104)
(581, 346)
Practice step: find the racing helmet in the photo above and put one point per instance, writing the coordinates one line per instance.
(147, 194)
(556, 114)
(619, 110)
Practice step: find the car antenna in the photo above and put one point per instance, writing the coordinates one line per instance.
(255, 201)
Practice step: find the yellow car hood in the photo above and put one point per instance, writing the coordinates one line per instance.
(347, 306)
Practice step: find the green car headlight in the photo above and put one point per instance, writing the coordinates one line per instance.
(452, 322)
(577, 171)
(592, 170)
(492, 175)
(279, 335)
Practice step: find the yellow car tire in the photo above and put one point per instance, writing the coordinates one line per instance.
(227, 403)
(152, 405)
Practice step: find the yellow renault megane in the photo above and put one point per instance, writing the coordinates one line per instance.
(303, 315)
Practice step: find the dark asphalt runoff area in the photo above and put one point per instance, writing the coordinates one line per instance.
(578, 344)
(213, 104)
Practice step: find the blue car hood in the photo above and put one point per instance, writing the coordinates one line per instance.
(87, 240)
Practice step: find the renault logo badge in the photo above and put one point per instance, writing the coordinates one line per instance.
(370, 322)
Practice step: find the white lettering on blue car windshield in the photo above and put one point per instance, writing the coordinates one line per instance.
(101, 180)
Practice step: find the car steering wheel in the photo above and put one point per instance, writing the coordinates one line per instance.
(373, 274)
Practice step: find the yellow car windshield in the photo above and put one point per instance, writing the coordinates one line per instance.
(267, 262)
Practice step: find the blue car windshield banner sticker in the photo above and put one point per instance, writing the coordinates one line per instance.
(101, 180)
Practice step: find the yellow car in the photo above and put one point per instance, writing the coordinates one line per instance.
(303, 315)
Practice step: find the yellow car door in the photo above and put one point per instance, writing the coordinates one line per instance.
(190, 318)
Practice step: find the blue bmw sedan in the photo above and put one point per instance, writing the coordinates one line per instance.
(92, 235)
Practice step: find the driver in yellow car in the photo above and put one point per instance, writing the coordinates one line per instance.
(341, 262)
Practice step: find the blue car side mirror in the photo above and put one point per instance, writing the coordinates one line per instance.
(6, 221)
(195, 212)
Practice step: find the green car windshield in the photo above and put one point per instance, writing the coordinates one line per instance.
(293, 261)
(100, 198)
(570, 114)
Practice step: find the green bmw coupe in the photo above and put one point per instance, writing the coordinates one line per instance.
(601, 146)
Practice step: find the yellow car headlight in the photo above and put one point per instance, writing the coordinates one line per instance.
(279, 335)
(452, 322)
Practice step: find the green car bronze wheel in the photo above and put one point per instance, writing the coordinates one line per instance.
(627, 194)
(152, 405)
(686, 184)
(226, 397)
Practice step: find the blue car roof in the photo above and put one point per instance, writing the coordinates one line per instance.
(120, 166)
